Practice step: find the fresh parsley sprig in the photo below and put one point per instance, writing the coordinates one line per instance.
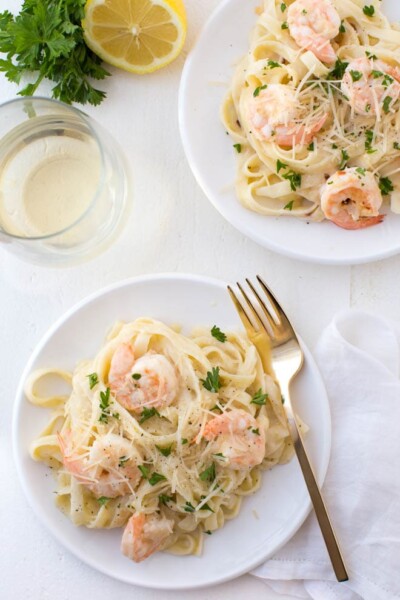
(212, 382)
(218, 334)
(46, 38)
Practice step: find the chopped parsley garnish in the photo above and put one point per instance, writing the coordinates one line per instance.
(105, 406)
(147, 413)
(205, 506)
(164, 451)
(375, 74)
(310, 147)
(258, 89)
(273, 64)
(136, 376)
(289, 205)
(284, 25)
(345, 158)
(342, 28)
(164, 499)
(387, 80)
(386, 104)
(280, 165)
(218, 334)
(294, 179)
(367, 108)
(184, 441)
(216, 407)
(259, 398)
(122, 461)
(369, 10)
(103, 500)
(208, 532)
(369, 136)
(360, 170)
(189, 507)
(370, 55)
(283, 7)
(93, 380)
(208, 474)
(155, 478)
(220, 455)
(396, 145)
(385, 185)
(334, 146)
(338, 70)
(144, 471)
(356, 75)
(212, 382)
(238, 148)
(256, 431)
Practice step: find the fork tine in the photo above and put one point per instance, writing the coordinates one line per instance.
(249, 304)
(248, 325)
(266, 312)
(281, 315)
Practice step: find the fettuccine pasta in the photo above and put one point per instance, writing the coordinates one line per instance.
(162, 434)
(313, 111)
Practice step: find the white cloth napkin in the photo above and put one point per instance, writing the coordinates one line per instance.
(359, 358)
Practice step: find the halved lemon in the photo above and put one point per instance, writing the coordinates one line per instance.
(136, 35)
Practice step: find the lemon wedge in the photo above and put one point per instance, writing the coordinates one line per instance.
(140, 36)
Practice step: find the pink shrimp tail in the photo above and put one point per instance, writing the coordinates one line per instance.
(363, 223)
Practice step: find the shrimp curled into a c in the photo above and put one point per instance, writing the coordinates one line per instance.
(238, 436)
(107, 469)
(144, 534)
(149, 381)
(351, 199)
(273, 115)
(371, 85)
(312, 24)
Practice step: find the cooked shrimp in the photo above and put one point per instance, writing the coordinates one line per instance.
(351, 199)
(367, 83)
(273, 114)
(144, 534)
(149, 381)
(108, 468)
(312, 24)
(238, 436)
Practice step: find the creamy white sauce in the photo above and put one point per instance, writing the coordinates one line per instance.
(48, 184)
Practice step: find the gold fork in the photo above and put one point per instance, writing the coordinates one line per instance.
(280, 352)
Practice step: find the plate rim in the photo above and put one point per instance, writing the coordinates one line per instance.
(35, 505)
(242, 226)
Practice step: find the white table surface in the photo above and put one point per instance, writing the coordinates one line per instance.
(172, 228)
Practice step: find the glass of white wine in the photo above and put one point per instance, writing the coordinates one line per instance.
(63, 184)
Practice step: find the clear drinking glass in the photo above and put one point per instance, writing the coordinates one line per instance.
(63, 185)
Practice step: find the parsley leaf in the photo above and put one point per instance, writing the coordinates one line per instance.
(284, 25)
(369, 10)
(189, 507)
(280, 165)
(338, 70)
(342, 28)
(122, 461)
(289, 205)
(370, 55)
(345, 158)
(93, 380)
(155, 478)
(144, 471)
(369, 136)
(136, 376)
(238, 148)
(184, 441)
(360, 171)
(218, 334)
(273, 64)
(256, 431)
(283, 7)
(165, 451)
(386, 104)
(103, 500)
(212, 382)
(164, 499)
(105, 406)
(46, 38)
(356, 75)
(258, 89)
(293, 178)
(396, 145)
(147, 413)
(310, 147)
(259, 398)
(208, 474)
(385, 185)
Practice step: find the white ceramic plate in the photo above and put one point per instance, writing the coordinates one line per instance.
(209, 150)
(281, 504)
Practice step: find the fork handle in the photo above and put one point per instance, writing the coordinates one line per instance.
(318, 503)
